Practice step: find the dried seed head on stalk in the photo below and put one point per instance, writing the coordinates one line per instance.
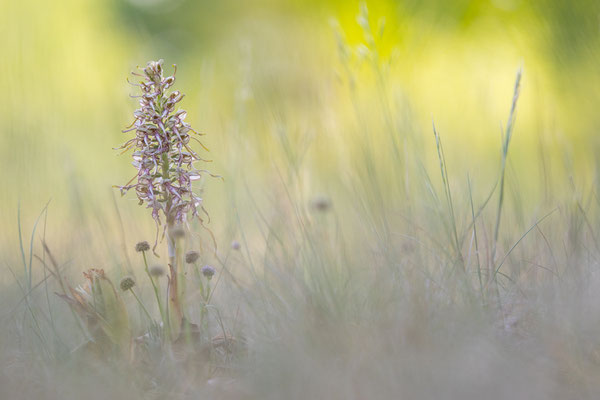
(192, 256)
(142, 246)
(161, 150)
(127, 283)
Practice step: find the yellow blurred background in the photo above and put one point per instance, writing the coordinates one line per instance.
(265, 81)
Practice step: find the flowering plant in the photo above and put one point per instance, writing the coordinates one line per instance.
(161, 151)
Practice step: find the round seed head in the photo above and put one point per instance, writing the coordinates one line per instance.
(235, 245)
(208, 271)
(127, 283)
(321, 203)
(157, 271)
(142, 246)
(192, 256)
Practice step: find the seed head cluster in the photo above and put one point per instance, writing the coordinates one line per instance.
(161, 151)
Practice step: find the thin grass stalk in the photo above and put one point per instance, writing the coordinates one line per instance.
(21, 242)
(448, 194)
(155, 287)
(38, 330)
(142, 305)
(63, 287)
(474, 220)
(505, 144)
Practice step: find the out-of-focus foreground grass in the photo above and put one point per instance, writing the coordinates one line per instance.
(402, 283)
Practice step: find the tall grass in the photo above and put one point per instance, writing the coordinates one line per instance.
(392, 274)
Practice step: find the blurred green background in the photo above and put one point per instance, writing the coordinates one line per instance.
(265, 82)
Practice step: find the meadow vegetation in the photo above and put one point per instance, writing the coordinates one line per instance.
(347, 243)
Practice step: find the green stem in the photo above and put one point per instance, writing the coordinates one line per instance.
(180, 271)
(156, 293)
(199, 277)
(206, 298)
(142, 305)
